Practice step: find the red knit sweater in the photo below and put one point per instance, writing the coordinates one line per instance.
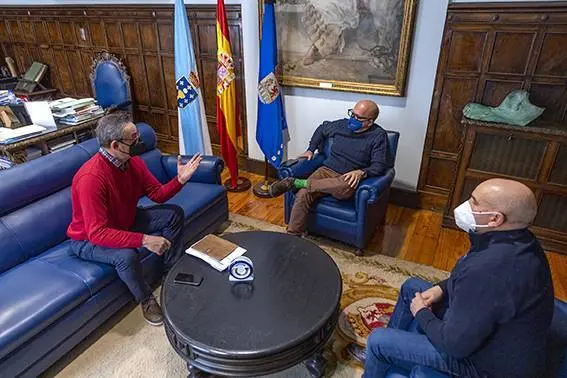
(104, 201)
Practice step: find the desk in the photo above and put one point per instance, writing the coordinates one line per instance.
(41, 95)
(16, 151)
(283, 317)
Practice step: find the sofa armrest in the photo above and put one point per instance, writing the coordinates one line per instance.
(369, 189)
(209, 171)
(301, 168)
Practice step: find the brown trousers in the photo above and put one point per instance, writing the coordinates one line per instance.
(321, 182)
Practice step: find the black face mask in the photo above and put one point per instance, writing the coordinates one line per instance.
(136, 148)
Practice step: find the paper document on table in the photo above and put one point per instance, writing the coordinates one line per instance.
(9, 134)
(215, 251)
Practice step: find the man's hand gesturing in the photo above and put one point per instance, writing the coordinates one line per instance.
(185, 171)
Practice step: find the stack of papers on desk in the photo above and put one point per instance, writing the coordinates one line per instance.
(72, 111)
(9, 135)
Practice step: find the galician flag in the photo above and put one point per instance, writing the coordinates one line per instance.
(193, 129)
(228, 118)
(271, 115)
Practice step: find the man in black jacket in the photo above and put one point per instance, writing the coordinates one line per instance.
(359, 150)
(491, 316)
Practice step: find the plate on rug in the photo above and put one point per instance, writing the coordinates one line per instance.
(133, 348)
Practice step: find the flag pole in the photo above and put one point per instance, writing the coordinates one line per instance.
(262, 189)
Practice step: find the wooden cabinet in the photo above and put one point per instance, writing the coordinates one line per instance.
(487, 51)
(534, 155)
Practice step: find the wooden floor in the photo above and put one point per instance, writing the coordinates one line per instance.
(413, 235)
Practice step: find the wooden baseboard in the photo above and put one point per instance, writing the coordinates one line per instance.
(259, 167)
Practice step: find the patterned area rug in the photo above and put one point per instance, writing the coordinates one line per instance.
(370, 288)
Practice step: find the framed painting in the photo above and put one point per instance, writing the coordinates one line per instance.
(347, 45)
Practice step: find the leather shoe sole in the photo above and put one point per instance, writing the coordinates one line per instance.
(280, 187)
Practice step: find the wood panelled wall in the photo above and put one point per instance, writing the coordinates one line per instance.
(487, 51)
(68, 37)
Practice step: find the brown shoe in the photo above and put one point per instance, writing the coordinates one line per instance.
(152, 311)
(280, 187)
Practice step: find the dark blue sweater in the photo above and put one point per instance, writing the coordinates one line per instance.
(350, 151)
(500, 304)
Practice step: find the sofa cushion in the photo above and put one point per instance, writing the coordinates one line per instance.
(32, 296)
(26, 183)
(337, 209)
(30, 230)
(93, 275)
(152, 159)
(193, 198)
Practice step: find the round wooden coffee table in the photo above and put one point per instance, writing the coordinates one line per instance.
(283, 317)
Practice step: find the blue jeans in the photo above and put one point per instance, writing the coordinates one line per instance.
(404, 345)
(164, 220)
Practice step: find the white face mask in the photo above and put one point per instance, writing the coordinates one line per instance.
(464, 217)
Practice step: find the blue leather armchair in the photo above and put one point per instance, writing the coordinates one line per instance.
(352, 221)
(50, 300)
(110, 82)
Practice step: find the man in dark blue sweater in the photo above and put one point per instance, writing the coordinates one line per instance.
(490, 318)
(359, 150)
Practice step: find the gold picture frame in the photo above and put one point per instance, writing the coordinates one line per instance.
(349, 61)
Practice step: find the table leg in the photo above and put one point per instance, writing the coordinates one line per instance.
(195, 373)
(316, 365)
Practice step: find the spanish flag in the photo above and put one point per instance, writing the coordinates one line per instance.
(228, 119)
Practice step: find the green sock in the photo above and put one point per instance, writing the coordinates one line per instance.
(300, 183)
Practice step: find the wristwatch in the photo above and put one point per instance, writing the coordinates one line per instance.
(364, 174)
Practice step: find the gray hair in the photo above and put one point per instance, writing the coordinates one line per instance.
(111, 127)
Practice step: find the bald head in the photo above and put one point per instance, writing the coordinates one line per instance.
(366, 109)
(511, 198)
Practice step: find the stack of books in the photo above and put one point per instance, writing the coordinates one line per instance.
(5, 163)
(70, 111)
(7, 98)
(61, 143)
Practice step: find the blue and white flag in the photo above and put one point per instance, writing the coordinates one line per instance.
(193, 129)
(271, 115)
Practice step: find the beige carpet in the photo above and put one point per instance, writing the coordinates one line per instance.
(132, 348)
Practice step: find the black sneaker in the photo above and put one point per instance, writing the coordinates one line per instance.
(357, 353)
(280, 187)
(152, 311)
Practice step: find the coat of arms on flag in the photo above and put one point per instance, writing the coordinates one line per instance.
(225, 71)
(268, 89)
(187, 90)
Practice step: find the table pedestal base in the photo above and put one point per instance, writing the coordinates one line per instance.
(196, 373)
(316, 365)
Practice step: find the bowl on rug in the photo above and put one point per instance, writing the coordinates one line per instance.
(133, 348)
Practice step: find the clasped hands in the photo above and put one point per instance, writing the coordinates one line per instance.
(352, 178)
(426, 299)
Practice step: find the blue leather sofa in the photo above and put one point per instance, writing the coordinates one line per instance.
(49, 299)
(556, 364)
(353, 221)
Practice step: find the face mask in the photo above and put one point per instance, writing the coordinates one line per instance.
(135, 149)
(464, 217)
(354, 124)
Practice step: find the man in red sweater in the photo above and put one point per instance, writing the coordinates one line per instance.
(106, 224)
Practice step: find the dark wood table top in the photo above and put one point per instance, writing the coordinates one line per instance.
(296, 290)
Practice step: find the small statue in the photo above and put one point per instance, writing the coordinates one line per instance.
(516, 109)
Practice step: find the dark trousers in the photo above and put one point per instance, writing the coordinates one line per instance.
(163, 220)
(321, 182)
(403, 344)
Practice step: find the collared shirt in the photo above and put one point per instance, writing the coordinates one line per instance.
(117, 163)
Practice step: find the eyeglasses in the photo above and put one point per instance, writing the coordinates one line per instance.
(135, 141)
(352, 114)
